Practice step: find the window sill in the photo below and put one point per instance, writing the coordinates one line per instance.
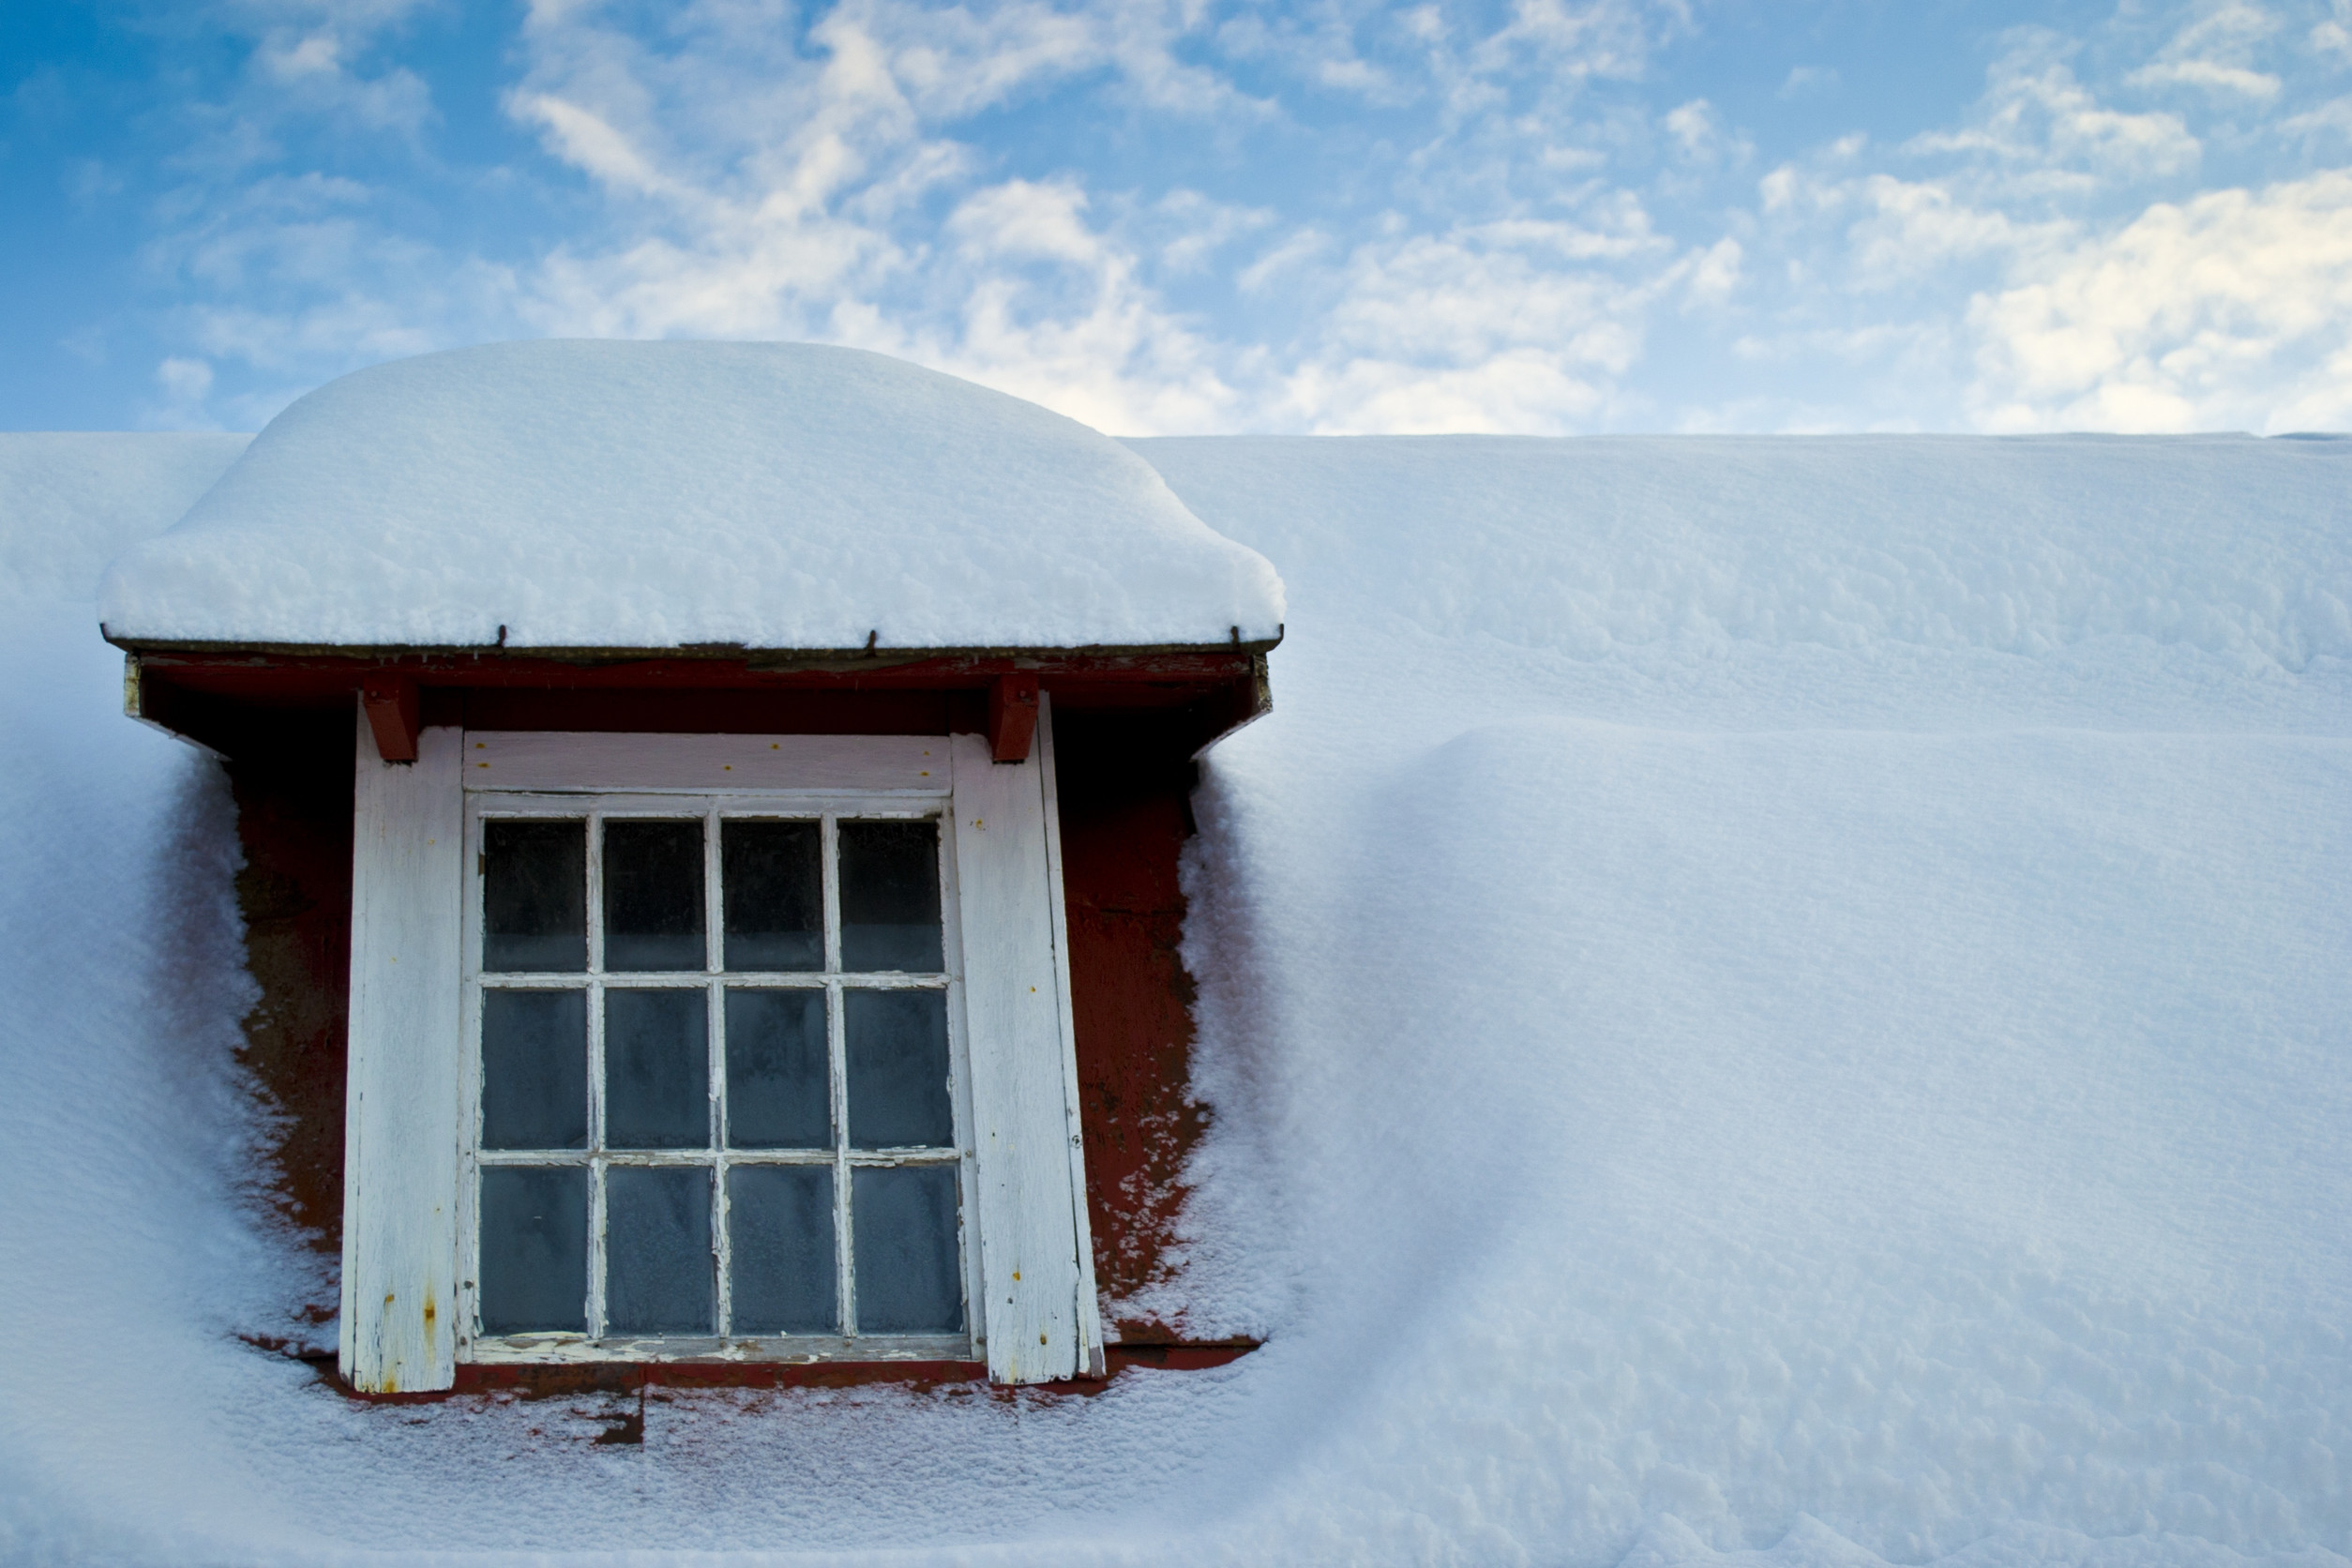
(552, 1349)
(552, 1379)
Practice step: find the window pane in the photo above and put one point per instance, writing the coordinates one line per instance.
(890, 897)
(535, 1070)
(781, 1221)
(653, 894)
(897, 1069)
(534, 1250)
(660, 1273)
(656, 1070)
(904, 1221)
(535, 896)
(774, 886)
(777, 1081)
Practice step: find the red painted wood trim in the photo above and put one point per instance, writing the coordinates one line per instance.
(1012, 717)
(395, 714)
(555, 1382)
(1178, 1358)
(266, 669)
(539, 1382)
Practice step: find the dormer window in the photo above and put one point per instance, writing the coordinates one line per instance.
(709, 995)
(727, 1110)
(711, 1047)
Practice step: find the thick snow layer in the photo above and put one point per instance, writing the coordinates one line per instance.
(69, 502)
(655, 495)
(1768, 1058)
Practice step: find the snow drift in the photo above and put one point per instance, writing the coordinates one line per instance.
(1774, 1002)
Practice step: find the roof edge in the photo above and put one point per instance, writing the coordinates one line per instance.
(867, 657)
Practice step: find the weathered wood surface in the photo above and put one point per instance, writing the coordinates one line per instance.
(401, 1155)
(1012, 717)
(557, 759)
(1029, 1223)
(394, 713)
(1089, 1350)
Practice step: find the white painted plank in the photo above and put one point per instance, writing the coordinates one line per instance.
(404, 1101)
(558, 760)
(1087, 1308)
(1029, 1221)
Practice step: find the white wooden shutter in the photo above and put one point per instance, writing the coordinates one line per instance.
(1036, 1258)
(400, 1128)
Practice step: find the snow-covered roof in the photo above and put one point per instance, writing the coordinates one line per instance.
(1769, 1002)
(661, 495)
(1650, 547)
(69, 501)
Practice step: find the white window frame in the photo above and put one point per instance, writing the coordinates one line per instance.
(412, 1155)
(597, 1345)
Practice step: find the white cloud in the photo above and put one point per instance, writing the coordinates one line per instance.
(1523, 391)
(1483, 328)
(2213, 52)
(2233, 309)
(1714, 274)
(184, 383)
(2211, 75)
(2334, 36)
(1915, 226)
(1329, 215)
(2039, 122)
(584, 141)
(1595, 37)
(1805, 82)
(1296, 249)
(1699, 135)
(308, 59)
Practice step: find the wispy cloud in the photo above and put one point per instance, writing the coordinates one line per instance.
(1196, 215)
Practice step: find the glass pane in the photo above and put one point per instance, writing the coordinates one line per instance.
(774, 887)
(904, 1222)
(777, 1081)
(534, 1069)
(534, 1250)
(660, 1275)
(890, 897)
(653, 894)
(535, 896)
(897, 1069)
(656, 1070)
(781, 1222)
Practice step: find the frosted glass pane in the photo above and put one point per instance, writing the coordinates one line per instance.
(534, 1069)
(782, 1217)
(772, 882)
(778, 1082)
(534, 897)
(890, 897)
(660, 1276)
(533, 1273)
(897, 1057)
(907, 1277)
(657, 1069)
(653, 896)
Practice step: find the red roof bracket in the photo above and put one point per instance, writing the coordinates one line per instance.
(1012, 717)
(395, 714)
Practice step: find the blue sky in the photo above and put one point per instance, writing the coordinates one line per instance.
(1547, 215)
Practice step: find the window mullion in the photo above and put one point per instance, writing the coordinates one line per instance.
(836, 1072)
(829, 830)
(597, 1163)
(841, 1156)
(721, 1230)
(837, 1052)
(715, 962)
